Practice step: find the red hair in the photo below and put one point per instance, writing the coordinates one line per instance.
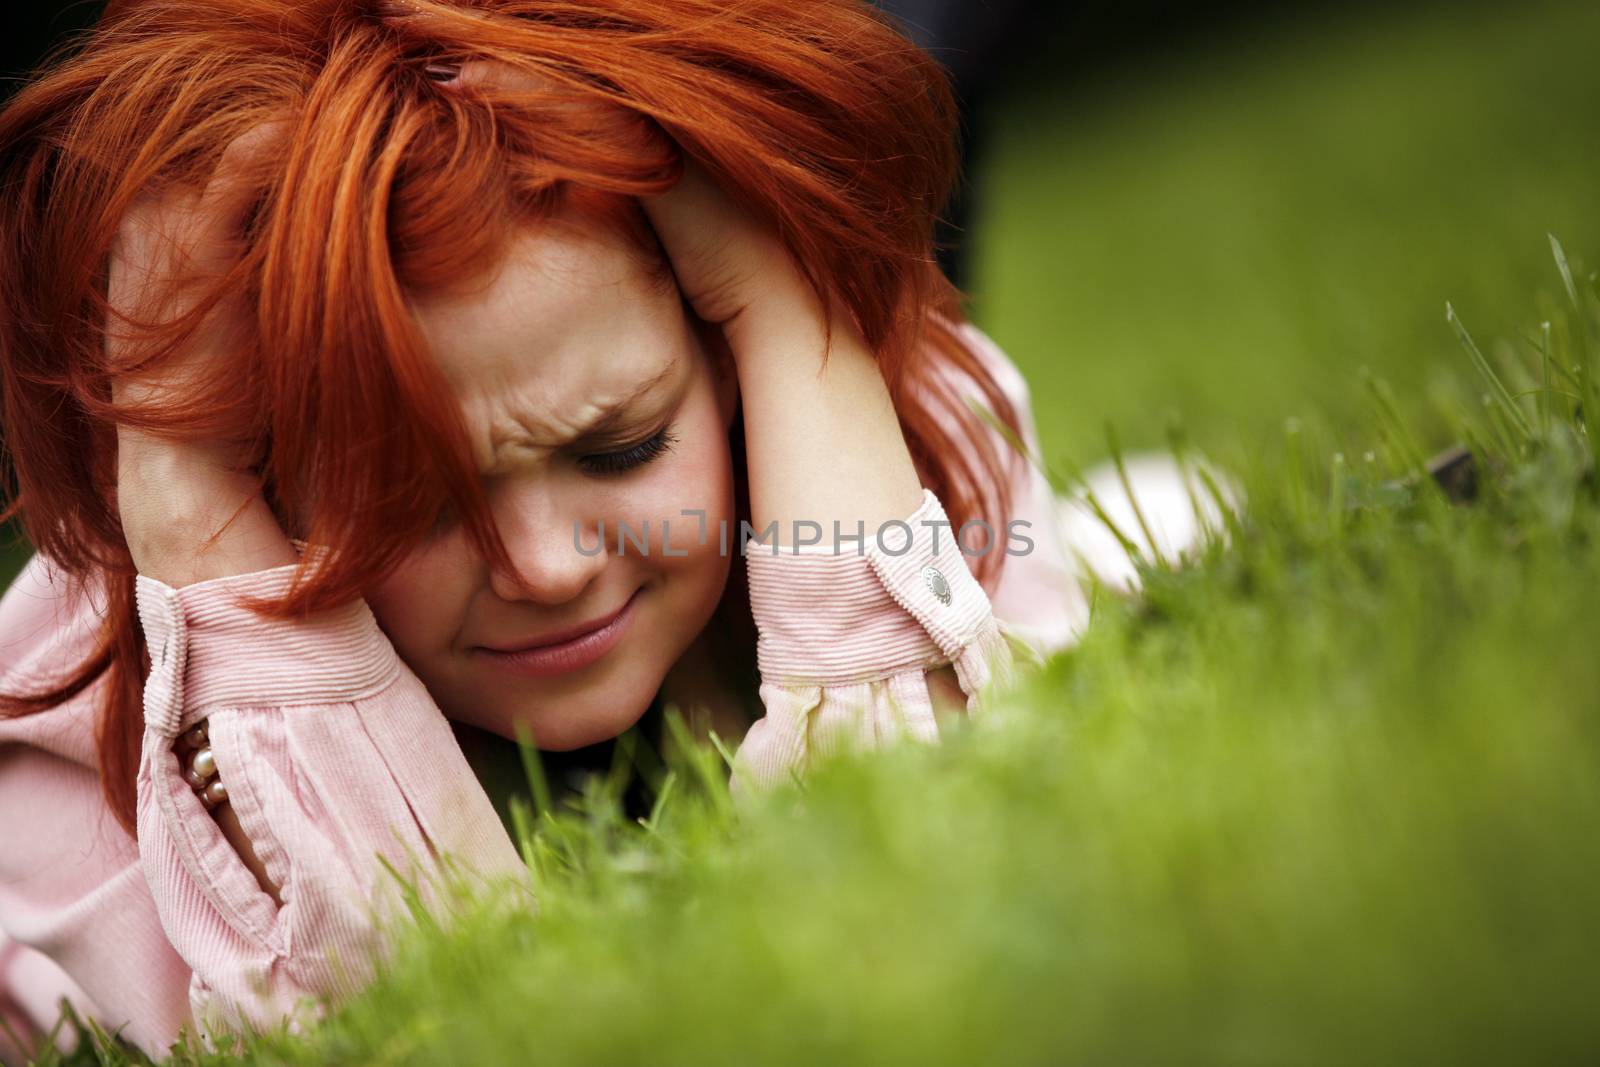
(818, 116)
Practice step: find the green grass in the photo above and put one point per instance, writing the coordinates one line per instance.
(1232, 233)
(1328, 796)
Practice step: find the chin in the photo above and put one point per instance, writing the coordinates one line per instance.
(562, 729)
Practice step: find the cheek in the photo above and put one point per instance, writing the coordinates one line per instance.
(421, 604)
(695, 477)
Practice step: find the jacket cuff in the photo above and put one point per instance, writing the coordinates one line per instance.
(901, 597)
(207, 649)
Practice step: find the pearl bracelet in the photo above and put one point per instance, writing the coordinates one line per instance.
(200, 766)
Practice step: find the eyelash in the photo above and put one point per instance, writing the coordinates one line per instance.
(632, 457)
(600, 463)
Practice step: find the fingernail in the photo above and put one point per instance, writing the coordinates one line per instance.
(442, 72)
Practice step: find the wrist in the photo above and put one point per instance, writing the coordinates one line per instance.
(180, 548)
(786, 344)
(188, 518)
(799, 406)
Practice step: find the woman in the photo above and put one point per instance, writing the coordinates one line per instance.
(383, 380)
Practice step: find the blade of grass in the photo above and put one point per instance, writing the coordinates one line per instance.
(1133, 500)
(1337, 473)
(1229, 517)
(1565, 270)
(1511, 411)
(653, 822)
(522, 824)
(1547, 401)
(1393, 425)
(1178, 444)
(533, 769)
(688, 749)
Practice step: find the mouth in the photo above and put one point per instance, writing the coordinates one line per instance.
(564, 651)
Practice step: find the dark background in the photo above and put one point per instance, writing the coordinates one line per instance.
(1028, 34)
(989, 46)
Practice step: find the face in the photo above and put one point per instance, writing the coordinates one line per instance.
(590, 401)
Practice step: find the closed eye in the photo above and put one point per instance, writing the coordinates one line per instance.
(632, 457)
(618, 461)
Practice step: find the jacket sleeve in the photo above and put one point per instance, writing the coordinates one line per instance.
(846, 638)
(336, 762)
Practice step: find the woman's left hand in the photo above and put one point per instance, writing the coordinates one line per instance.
(730, 266)
(823, 440)
(821, 433)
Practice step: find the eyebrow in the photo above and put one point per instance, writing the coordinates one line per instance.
(613, 413)
(607, 418)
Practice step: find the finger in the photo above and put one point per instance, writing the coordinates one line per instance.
(510, 84)
(177, 236)
(412, 20)
(221, 210)
(719, 251)
(496, 76)
(176, 227)
(396, 11)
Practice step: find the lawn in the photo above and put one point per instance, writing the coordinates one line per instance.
(1327, 796)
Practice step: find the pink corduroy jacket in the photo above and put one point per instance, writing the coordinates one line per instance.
(334, 754)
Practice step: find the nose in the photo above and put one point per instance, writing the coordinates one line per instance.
(540, 542)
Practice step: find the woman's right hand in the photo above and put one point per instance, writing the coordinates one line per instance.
(176, 498)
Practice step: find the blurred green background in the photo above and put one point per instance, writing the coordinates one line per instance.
(1228, 230)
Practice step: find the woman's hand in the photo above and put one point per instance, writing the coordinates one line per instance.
(731, 268)
(176, 498)
(822, 437)
(823, 440)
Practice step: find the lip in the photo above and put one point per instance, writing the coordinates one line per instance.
(566, 651)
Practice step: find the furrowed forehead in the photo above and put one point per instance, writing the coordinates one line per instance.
(568, 335)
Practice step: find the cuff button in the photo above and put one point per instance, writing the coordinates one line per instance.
(937, 584)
